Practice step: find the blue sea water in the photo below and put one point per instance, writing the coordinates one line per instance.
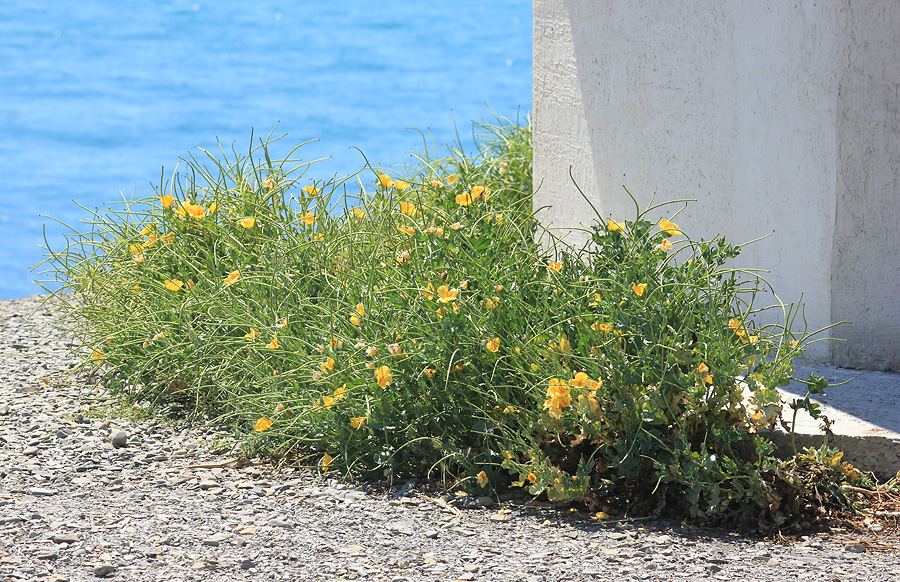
(96, 96)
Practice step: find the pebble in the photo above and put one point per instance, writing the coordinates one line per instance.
(104, 570)
(119, 439)
(164, 507)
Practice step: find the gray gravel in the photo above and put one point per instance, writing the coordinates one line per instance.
(84, 498)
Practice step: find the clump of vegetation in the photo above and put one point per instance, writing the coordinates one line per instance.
(413, 324)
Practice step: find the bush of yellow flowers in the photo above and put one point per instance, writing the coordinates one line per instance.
(411, 323)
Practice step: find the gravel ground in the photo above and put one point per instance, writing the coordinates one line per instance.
(83, 498)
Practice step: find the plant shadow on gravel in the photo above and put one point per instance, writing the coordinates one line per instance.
(394, 324)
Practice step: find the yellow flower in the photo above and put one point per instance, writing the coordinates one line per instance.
(311, 190)
(446, 294)
(734, 323)
(437, 184)
(337, 343)
(429, 372)
(396, 351)
(708, 379)
(401, 185)
(358, 212)
(557, 397)
(326, 460)
(604, 327)
(279, 407)
(702, 368)
(480, 193)
(670, 227)
(493, 345)
(263, 424)
(555, 266)
(327, 365)
(464, 199)
(428, 292)
(638, 289)
(407, 230)
(268, 184)
(615, 226)
(167, 238)
(167, 200)
(134, 249)
(564, 345)
(212, 208)
(498, 288)
(532, 477)
(456, 226)
(403, 256)
(435, 230)
(282, 322)
(371, 351)
(355, 320)
(309, 218)
(339, 392)
(247, 222)
(482, 479)
(489, 303)
(274, 343)
(452, 179)
(232, 277)
(385, 180)
(407, 207)
(254, 333)
(581, 380)
(173, 284)
(358, 422)
(383, 376)
(664, 246)
(195, 210)
(97, 355)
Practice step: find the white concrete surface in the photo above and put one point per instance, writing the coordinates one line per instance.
(864, 412)
(775, 116)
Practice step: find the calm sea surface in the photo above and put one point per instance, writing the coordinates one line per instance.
(96, 96)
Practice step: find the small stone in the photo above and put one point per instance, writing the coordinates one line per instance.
(4, 410)
(216, 539)
(104, 570)
(208, 484)
(855, 548)
(484, 501)
(66, 538)
(876, 528)
(38, 492)
(617, 536)
(432, 534)
(247, 564)
(278, 523)
(500, 517)
(31, 451)
(119, 439)
(48, 555)
(772, 562)
(471, 568)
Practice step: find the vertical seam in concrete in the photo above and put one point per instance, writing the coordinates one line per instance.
(841, 185)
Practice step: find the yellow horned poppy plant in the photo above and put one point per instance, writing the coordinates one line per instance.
(446, 294)
(173, 284)
(232, 277)
(493, 345)
(464, 199)
(326, 460)
(263, 424)
(383, 376)
(557, 397)
(247, 222)
(274, 343)
(166, 200)
(638, 289)
(408, 208)
(309, 218)
(385, 180)
(670, 227)
(358, 422)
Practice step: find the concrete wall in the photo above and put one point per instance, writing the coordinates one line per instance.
(776, 116)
